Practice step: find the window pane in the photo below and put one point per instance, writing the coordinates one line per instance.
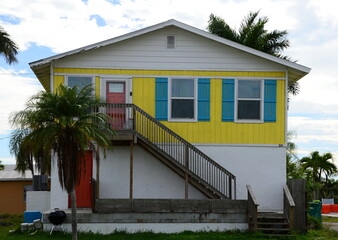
(80, 82)
(249, 109)
(249, 89)
(182, 88)
(182, 108)
(116, 87)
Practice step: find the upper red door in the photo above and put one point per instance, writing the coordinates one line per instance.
(116, 93)
(84, 189)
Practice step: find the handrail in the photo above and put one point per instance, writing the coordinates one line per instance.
(289, 206)
(252, 209)
(128, 118)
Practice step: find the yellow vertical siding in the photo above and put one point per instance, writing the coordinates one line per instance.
(58, 80)
(97, 86)
(214, 131)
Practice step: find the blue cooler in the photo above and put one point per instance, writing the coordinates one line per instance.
(29, 217)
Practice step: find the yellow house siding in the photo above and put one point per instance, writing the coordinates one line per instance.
(58, 80)
(214, 131)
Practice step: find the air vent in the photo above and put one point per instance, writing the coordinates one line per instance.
(170, 41)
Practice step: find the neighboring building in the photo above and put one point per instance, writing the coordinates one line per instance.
(12, 188)
(227, 100)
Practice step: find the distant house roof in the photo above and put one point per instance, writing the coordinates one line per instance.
(10, 174)
(42, 67)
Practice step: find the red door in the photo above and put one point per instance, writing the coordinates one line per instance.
(116, 93)
(84, 189)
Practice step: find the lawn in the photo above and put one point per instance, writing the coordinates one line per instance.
(8, 222)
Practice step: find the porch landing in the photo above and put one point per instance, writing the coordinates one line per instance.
(159, 215)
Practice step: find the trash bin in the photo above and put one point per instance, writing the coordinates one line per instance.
(315, 210)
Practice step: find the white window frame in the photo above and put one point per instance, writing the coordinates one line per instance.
(126, 81)
(261, 99)
(170, 119)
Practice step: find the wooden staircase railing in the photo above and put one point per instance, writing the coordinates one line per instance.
(128, 118)
(252, 209)
(289, 206)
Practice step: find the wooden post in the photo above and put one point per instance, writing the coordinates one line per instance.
(186, 174)
(297, 189)
(131, 170)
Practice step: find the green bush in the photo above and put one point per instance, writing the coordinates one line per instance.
(314, 223)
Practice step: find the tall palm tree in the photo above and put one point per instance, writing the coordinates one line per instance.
(319, 164)
(8, 48)
(63, 125)
(252, 33)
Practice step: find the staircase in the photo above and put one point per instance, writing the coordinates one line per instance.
(185, 159)
(273, 223)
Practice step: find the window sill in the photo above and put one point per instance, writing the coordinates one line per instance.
(249, 121)
(182, 120)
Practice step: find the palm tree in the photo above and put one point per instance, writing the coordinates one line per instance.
(319, 164)
(63, 126)
(8, 48)
(252, 33)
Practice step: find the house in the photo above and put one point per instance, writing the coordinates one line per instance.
(199, 117)
(12, 188)
(19, 193)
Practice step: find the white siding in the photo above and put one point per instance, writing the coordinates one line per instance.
(148, 51)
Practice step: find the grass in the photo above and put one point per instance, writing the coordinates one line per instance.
(11, 222)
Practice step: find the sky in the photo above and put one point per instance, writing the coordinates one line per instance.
(43, 28)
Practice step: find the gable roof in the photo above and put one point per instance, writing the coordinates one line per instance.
(42, 67)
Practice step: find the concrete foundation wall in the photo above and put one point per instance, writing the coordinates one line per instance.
(151, 178)
(262, 167)
(107, 228)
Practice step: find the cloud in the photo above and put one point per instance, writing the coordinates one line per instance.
(15, 89)
(63, 25)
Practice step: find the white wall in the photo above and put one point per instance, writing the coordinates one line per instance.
(152, 179)
(37, 201)
(58, 197)
(107, 228)
(262, 167)
(148, 51)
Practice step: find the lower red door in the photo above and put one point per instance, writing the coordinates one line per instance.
(84, 189)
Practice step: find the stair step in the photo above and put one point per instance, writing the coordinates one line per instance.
(273, 223)
(274, 230)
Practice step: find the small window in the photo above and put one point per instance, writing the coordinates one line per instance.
(80, 82)
(183, 99)
(116, 87)
(249, 100)
(170, 41)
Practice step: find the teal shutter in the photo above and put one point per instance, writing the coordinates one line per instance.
(228, 100)
(270, 91)
(161, 99)
(203, 99)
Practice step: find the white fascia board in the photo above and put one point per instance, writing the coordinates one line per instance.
(186, 27)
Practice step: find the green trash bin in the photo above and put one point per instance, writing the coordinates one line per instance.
(316, 210)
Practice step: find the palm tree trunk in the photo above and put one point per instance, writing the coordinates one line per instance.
(74, 219)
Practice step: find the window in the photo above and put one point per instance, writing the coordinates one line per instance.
(78, 81)
(249, 100)
(170, 41)
(183, 99)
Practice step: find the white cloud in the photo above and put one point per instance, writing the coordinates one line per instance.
(15, 89)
